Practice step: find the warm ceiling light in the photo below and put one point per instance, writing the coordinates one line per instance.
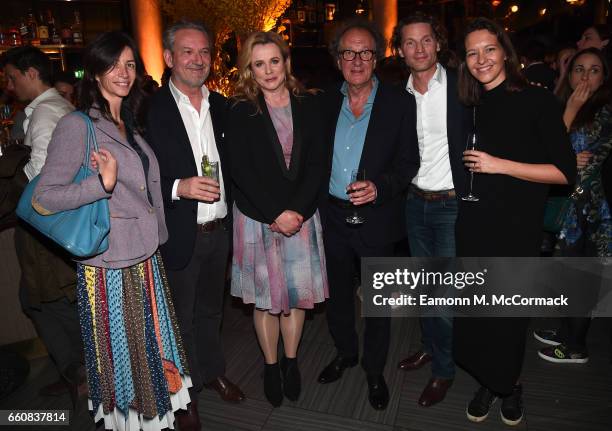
(359, 9)
(495, 3)
(514, 8)
(542, 11)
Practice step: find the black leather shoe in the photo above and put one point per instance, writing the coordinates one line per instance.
(378, 393)
(335, 368)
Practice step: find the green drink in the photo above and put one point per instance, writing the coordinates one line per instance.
(210, 169)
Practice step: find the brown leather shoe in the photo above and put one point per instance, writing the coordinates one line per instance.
(189, 420)
(226, 389)
(54, 389)
(434, 392)
(415, 361)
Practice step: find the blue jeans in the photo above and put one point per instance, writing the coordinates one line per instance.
(431, 232)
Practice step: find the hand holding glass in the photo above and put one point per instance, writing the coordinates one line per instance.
(472, 143)
(355, 218)
(210, 169)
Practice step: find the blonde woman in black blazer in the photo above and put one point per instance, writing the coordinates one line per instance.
(277, 163)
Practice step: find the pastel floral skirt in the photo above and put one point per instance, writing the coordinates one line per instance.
(136, 366)
(275, 272)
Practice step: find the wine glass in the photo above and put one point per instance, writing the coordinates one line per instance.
(472, 143)
(355, 218)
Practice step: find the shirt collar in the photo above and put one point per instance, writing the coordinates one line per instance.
(344, 90)
(181, 97)
(437, 78)
(47, 94)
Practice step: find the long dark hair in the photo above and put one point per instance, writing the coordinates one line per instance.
(599, 99)
(99, 58)
(470, 89)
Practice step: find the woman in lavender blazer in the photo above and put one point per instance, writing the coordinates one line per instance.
(136, 367)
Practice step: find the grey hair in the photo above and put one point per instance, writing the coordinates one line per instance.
(380, 44)
(170, 32)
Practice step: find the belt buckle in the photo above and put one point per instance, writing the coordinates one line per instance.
(434, 196)
(209, 226)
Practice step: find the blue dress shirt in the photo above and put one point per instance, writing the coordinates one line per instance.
(348, 142)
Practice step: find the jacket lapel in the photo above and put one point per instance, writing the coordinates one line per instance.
(107, 127)
(335, 107)
(176, 128)
(452, 116)
(218, 119)
(376, 121)
(296, 150)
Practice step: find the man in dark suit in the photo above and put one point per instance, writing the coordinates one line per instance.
(185, 123)
(431, 205)
(371, 127)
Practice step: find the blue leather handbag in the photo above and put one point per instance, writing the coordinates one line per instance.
(81, 231)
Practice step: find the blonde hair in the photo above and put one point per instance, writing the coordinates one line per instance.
(247, 88)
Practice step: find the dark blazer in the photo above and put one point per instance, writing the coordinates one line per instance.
(263, 187)
(167, 136)
(390, 158)
(137, 227)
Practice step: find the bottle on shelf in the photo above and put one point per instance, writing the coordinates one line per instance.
(3, 36)
(54, 35)
(23, 32)
(66, 35)
(43, 30)
(32, 28)
(77, 29)
(14, 36)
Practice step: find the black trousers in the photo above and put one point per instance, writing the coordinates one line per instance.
(57, 324)
(343, 247)
(197, 293)
(574, 332)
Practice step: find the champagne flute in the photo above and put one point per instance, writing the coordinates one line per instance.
(472, 143)
(355, 218)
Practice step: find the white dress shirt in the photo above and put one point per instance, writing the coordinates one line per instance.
(435, 170)
(42, 115)
(199, 128)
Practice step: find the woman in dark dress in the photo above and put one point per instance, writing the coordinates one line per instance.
(523, 147)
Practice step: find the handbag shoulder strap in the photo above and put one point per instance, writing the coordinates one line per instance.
(579, 189)
(90, 137)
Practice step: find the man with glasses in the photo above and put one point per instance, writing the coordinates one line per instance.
(371, 127)
(431, 206)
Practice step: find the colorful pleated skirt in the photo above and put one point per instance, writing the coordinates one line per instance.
(136, 366)
(275, 272)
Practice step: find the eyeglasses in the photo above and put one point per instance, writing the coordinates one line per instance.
(365, 55)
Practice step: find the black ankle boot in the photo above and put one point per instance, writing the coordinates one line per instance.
(272, 384)
(291, 378)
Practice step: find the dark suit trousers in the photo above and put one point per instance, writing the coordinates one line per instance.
(197, 293)
(343, 247)
(57, 324)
